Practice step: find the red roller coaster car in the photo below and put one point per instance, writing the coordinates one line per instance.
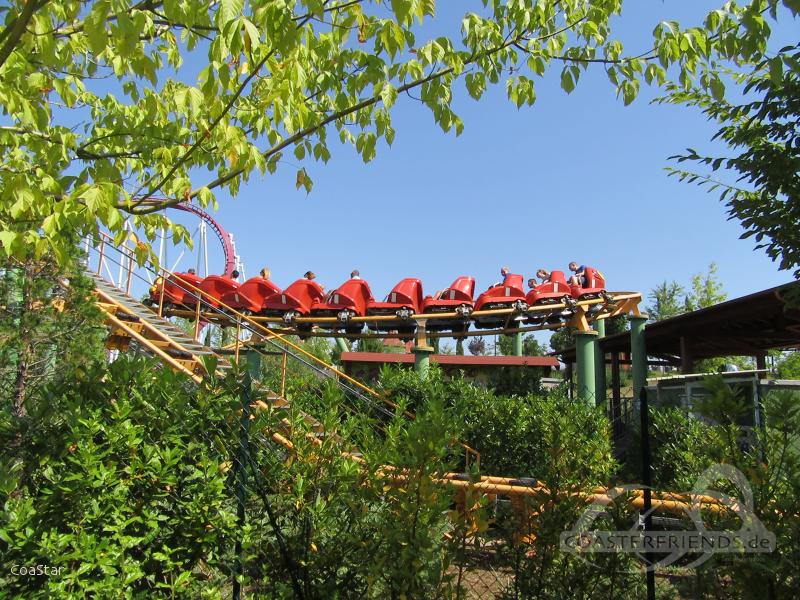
(404, 300)
(457, 298)
(594, 286)
(554, 291)
(509, 294)
(348, 300)
(251, 295)
(294, 301)
(176, 292)
(550, 292)
(216, 286)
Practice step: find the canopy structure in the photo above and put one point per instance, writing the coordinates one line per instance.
(745, 326)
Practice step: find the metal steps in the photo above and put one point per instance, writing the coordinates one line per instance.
(131, 322)
(157, 333)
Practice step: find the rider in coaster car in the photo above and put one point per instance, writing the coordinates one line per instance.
(503, 273)
(579, 278)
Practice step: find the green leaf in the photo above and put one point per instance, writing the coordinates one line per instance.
(388, 95)
(8, 239)
(303, 180)
(402, 11)
(96, 33)
(567, 81)
(229, 10)
(252, 32)
(717, 87)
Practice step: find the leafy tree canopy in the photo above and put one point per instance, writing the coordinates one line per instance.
(789, 366)
(106, 110)
(477, 346)
(764, 140)
(530, 346)
(666, 300)
(670, 299)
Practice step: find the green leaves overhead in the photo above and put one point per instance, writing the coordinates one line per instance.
(761, 188)
(109, 104)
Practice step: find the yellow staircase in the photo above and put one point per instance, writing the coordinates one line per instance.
(134, 326)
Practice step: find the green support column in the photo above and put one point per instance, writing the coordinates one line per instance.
(341, 344)
(460, 347)
(585, 342)
(435, 345)
(600, 364)
(422, 359)
(638, 354)
(518, 343)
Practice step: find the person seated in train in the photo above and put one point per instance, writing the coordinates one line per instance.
(235, 274)
(156, 287)
(311, 276)
(264, 273)
(532, 283)
(504, 272)
(191, 271)
(354, 274)
(579, 277)
(544, 275)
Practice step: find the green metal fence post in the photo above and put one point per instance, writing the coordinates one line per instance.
(600, 364)
(638, 354)
(341, 344)
(518, 344)
(422, 359)
(584, 351)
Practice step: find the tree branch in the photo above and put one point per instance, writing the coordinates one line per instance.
(15, 31)
(350, 110)
(182, 160)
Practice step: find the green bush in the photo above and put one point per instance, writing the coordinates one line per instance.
(337, 529)
(119, 476)
(684, 446)
(561, 443)
(125, 476)
(789, 367)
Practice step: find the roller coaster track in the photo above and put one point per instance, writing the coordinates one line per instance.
(580, 314)
(132, 325)
(223, 236)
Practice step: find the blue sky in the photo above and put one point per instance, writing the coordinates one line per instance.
(575, 177)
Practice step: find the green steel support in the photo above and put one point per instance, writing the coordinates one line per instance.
(435, 345)
(341, 344)
(600, 364)
(518, 343)
(584, 351)
(638, 354)
(460, 346)
(422, 359)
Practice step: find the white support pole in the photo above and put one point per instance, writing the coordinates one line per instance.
(161, 243)
(122, 257)
(205, 247)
